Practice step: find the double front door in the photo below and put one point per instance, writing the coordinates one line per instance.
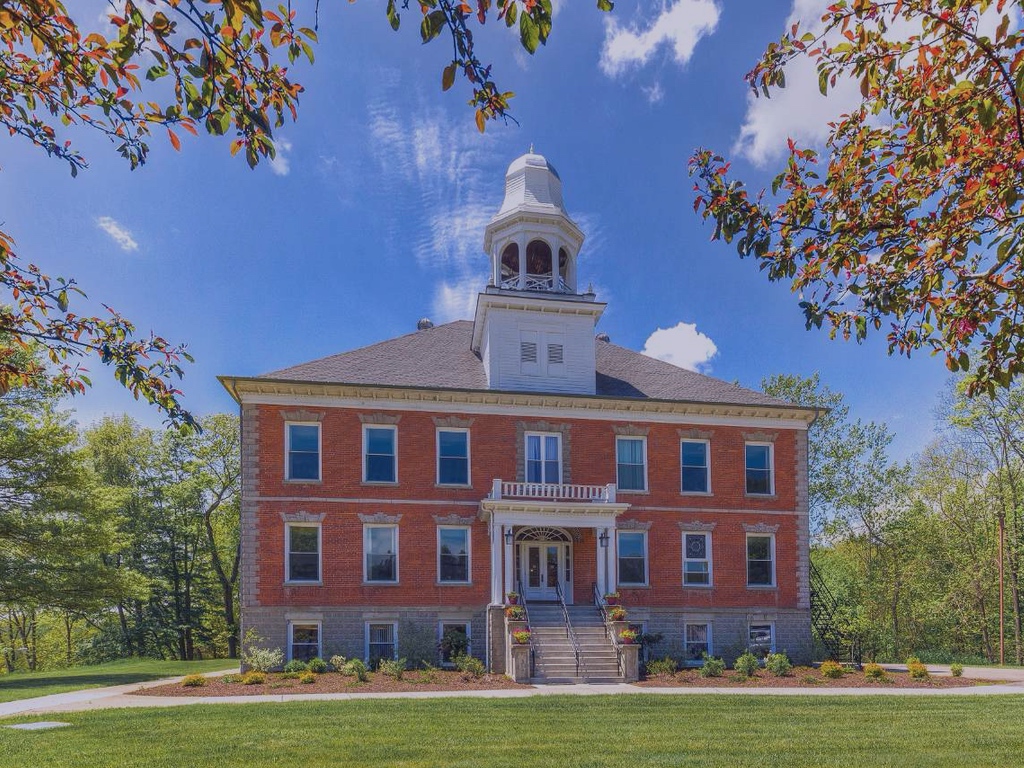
(545, 566)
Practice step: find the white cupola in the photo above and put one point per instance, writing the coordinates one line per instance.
(532, 242)
(533, 330)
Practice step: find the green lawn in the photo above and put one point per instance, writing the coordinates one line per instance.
(560, 731)
(25, 685)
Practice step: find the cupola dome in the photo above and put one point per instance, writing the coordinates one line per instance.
(532, 184)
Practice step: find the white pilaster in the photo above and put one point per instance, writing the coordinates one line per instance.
(602, 565)
(496, 545)
(613, 561)
(510, 561)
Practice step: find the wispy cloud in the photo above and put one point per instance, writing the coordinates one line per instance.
(281, 164)
(456, 300)
(682, 345)
(118, 233)
(681, 24)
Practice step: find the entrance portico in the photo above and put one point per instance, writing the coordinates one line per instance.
(536, 531)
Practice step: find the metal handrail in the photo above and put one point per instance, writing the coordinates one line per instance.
(602, 607)
(526, 611)
(569, 631)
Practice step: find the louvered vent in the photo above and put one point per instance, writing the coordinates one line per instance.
(528, 351)
(554, 354)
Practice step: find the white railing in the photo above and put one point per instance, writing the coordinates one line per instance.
(503, 489)
(554, 283)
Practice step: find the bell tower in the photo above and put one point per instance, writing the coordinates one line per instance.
(533, 329)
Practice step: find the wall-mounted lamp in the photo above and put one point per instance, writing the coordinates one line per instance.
(508, 537)
(603, 538)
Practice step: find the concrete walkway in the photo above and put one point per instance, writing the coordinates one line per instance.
(122, 696)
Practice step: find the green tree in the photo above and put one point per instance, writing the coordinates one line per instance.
(912, 218)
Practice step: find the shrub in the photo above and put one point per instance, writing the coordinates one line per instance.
(296, 665)
(956, 669)
(746, 664)
(918, 671)
(231, 678)
(665, 667)
(193, 681)
(874, 672)
(337, 662)
(712, 667)
(831, 669)
(391, 668)
(515, 613)
(778, 664)
(317, 665)
(254, 678)
(454, 642)
(469, 666)
(307, 677)
(429, 673)
(355, 668)
(913, 660)
(257, 658)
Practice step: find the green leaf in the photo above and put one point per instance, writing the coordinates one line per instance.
(393, 17)
(529, 33)
(605, 5)
(432, 25)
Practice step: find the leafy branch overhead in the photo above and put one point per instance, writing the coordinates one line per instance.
(911, 219)
(172, 67)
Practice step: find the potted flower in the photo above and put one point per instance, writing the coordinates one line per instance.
(611, 598)
(515, 613)
(512, 597)
(616, 613)
(521, 636)
(627, 636)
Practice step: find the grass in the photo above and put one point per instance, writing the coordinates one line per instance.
(25, 685)
(569, 732)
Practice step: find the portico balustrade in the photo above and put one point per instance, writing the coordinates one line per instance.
(503, 489)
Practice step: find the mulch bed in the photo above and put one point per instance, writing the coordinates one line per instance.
(805, 677)
(332, 682)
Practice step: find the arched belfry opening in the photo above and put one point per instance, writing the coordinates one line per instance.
(538, 266)
(509, 277)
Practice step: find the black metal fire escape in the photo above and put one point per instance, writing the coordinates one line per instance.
(824, 619)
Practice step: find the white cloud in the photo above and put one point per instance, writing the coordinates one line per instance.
(799, 111)
(456, 300)
(654, 93)
(681, 24)
(681, 345)
(281, 165)
(118, 233)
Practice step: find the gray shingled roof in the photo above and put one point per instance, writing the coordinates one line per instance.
(440, 357)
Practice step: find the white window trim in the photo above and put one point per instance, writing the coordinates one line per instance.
(746, 560)
(647, 560)
(710, 560)
(366, 637)
(469, 554)
(440, 634)
(771, 625)
(526, 454)
(366, 551)
(437, 453)
(394, 430)
(711, 640)
(319, 451)
(707, 468)
(319, 580)
(771, 470)
(618, 485)
(306, 623)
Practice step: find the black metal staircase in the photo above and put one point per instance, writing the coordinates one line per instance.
(824, 619)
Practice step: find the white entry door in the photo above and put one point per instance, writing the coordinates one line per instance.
(542, 569)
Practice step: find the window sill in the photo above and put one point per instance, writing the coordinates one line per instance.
(304, 583)
(453, 583)
(620, 585)
(297, 481)
(626, 492)
(381, 584)
(458, 486)
(698, 586)
(697, 493)
(763, 587)
(766, 496)
(379, 483)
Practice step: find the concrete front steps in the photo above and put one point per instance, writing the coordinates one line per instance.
(555, 661)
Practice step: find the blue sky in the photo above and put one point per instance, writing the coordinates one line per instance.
(373, 215)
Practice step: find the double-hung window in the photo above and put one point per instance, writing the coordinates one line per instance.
(381, 642)
(302, 451)
(302, 551)
(632, 547)
(304, 640)
(453, 554)
(696, 642)
(380, 454)
(760, 560)
(453, 457)
(697, 559)
(761, 639)
(695, 466)
(631, 463)
(759, 469)
(543, 458)
(380, 545)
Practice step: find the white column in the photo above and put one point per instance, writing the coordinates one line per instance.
(496, 546)
(602, 565)
(510, 562)
(613, 561)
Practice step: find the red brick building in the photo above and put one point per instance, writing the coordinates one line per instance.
(401, 490)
